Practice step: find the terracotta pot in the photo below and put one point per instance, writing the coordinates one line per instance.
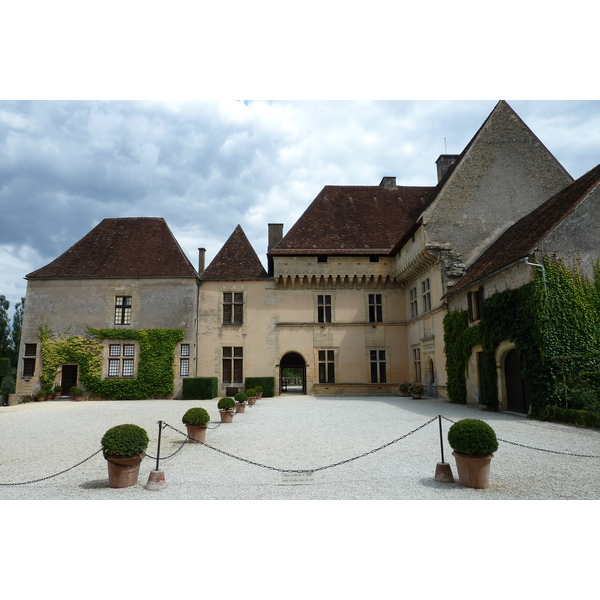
(123, 471)
(49, 396)
(78, 398)
(259, 395)
(240, 407)
(40, 398)
(57, 394)
(252, 400)
(416, 396)
(197, 432)
(473, 471)
(226, 416)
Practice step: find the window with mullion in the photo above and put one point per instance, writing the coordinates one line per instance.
(123, 310)
(378, 366)
(375, 308)
(324, 308)
(233, 308)
(233, 364)
(326, 366)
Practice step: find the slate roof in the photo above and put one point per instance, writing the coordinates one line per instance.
(357, 220)
(521, 239)
(124, 247)
(236, 260)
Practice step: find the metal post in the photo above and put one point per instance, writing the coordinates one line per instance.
(441, 438)
(158, 451)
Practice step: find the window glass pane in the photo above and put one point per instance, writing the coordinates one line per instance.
(127, 367)
(238, 352)
(185, 349)
(128, 350)
(114, 350)
(238, 297)
(238, 313)
(184, 367)
(28, 367)
(227, 351)
(227, 296)
(227, 313)
(227, 371)
(237, 370)
(30, 349)
(113, 367)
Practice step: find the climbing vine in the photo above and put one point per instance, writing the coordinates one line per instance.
(155, 373)
(554, 322)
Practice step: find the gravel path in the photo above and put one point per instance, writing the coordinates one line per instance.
(290, 432)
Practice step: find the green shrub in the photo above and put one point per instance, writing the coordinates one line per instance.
(259, 389)
(4, 367)
(77, 391)
(226, 403)
(58, 388)
(241, 397)
(267, 383)
(124, 440)
(40, 393)
(196, 416)
(472, 437)
(571, 416)
(251, 393)
(199, 388)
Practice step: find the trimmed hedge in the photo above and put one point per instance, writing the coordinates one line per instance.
(125, 440)
(200, 388)
(569, 415)
(267, 384)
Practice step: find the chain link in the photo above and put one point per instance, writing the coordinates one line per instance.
(342, 462)
(538, 449)
(55, 474)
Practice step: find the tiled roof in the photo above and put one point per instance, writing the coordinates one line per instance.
(236, 260)
(355, 220)
(521, 239)
(125, 247)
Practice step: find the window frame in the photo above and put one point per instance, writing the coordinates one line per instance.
(324, 308)
(121, 359)
(123, 310)
(232, 364)
(475, 300)
(375, 305)
(233, 307)
(426, 294)
(326, 365)
(378, 365)
(414, 303)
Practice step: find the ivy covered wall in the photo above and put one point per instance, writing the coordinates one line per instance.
(155, 372)
(554, 322)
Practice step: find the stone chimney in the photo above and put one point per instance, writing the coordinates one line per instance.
(388, 182)
(201, 260)
(275, 235)
(443, 163)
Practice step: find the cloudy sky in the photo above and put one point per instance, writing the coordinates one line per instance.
(207, 166)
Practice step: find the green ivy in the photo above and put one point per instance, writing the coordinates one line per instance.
(155, 373)
(553, 321)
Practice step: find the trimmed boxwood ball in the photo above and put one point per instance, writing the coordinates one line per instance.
(240, 397)
(195, 416)
(125, 440)
(472, 437)
(226, 403)
(251, 393)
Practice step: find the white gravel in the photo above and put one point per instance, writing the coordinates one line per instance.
(290, 432)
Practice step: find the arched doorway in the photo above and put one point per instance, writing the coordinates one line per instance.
(517, 397)
(292, 374)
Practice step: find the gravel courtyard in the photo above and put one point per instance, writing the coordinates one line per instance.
(38, 440)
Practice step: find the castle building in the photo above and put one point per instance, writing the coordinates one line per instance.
(355, 293)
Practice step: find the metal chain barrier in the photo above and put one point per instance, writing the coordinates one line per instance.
(342, 462)
(538, 449)
(55, 474)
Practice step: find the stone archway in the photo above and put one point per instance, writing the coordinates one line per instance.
(292, 374)
(513, 394)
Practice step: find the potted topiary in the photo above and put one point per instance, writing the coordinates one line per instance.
(226, 406)
(417, 390)
(77, 393)
(251, 393)
(195, 420)
(57, 391)
(259, 391)
(49, 393)
(240, 402)
(404, 389)
(40, 395)
(474, 443)
(123, 447)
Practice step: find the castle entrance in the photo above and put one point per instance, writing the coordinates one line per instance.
(292, 374)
